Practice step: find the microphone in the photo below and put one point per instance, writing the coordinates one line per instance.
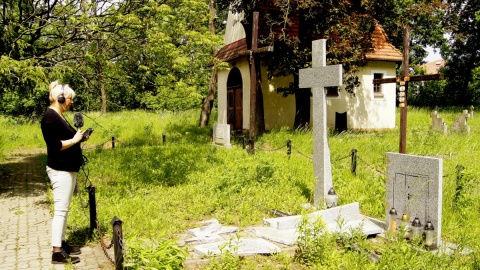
(78, 120)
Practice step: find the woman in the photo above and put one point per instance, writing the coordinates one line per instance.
(64, 159)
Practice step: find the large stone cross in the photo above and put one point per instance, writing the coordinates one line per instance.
(317, 78)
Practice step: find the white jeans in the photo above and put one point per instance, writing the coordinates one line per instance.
(63, 184)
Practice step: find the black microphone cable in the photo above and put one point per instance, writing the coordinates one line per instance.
(87, 183)
(93, 119)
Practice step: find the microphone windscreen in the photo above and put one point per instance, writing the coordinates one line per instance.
(78, 120)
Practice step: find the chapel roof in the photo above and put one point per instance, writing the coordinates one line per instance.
(230, 51)
(382, 49)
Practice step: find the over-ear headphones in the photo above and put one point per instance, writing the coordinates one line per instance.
(61, 97)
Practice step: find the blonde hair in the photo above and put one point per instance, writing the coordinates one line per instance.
(56, 89)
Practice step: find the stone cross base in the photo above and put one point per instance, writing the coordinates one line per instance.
(221, 135)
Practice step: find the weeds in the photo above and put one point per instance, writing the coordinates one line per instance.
(170, 187)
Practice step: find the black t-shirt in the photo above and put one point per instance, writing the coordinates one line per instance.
(56, 129)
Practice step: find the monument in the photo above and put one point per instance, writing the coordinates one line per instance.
(414, 187)
(460, 124)
(438, 124)
(317, 78)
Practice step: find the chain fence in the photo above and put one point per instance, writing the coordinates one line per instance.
(353, 155)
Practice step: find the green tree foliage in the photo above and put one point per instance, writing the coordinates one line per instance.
(423, 17)
(115, 54)
(30, 32)
(463, 55)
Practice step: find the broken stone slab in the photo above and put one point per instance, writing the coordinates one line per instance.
(209, 233)
(365, 225)
(242, 246)
(342, 213)
(287, 237)
(204, 239)
(340, 219)
(209, 230)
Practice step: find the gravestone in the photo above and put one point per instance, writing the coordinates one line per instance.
(414, 187)
(437, 123)
(460, 123)
(221, 135)
(317, 78)
(472, 112)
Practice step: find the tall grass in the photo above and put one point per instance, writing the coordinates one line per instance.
(160, 189)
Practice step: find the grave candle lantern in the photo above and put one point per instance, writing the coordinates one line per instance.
(405, 226)
(416, 228)
(429, 234)
(392, 223)
(331, 199)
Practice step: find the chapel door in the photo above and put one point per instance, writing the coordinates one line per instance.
(235, 108)
(235, 100)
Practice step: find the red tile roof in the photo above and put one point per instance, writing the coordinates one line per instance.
(230, 51)
(382, 49)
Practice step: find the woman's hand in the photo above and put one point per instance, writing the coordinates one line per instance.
(77, 137)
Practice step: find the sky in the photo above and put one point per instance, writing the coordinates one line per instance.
(431, 55)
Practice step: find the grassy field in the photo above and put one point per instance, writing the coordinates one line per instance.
(161, 189)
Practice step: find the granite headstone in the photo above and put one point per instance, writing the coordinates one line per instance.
(414, 187)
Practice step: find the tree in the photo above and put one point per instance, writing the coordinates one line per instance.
(207, 103)
(463, 55)
(126, 54)
(30, 34)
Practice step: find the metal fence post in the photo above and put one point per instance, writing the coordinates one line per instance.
(164, 138)
(93, 208)
(289, 148)
(113, 142)
(354, 162)
(117, 242)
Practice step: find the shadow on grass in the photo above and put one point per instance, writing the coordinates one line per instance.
(305, 190)
(23, 176)
(81, 236)
(168, 164)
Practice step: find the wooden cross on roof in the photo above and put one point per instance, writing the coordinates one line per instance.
(253, 79)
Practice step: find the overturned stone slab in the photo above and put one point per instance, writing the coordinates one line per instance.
(340, 219)
(286, 237)
(242, 247)
(209, 233)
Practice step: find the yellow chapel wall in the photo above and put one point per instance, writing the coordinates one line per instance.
(364, 110)
(279, 111)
